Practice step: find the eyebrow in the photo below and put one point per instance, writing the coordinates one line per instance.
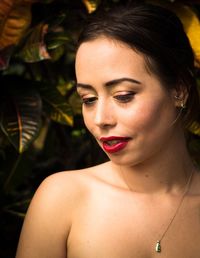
(117, 81)
(109, 83)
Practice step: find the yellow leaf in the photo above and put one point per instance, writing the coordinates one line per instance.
(15, 18)
(191, 24)
(195, 128)
(91, 5)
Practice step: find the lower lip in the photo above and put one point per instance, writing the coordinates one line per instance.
(115, 148)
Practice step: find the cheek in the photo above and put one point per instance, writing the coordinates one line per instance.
(149, 116)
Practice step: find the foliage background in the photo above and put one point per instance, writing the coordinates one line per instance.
(41, 128)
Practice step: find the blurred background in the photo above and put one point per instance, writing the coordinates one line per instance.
(41, 127)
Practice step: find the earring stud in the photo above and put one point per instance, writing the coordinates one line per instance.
(183, 106)
(177, 97)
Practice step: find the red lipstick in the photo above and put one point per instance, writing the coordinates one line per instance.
(114, 144)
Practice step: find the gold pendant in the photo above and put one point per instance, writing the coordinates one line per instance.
(158, 247)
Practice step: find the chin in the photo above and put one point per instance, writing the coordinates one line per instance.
(125, 161)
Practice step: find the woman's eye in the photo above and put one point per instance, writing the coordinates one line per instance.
(125, 97)
(88, 101)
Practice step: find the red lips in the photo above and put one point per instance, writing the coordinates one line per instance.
(114, 144)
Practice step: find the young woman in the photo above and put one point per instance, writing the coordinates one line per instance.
(135, 76)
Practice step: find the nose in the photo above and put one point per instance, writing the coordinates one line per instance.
(104, 115)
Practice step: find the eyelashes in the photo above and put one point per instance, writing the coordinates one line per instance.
(121, 98)
(89, 101)
(125, 98)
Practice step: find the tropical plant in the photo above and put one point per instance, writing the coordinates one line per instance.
(40, 114)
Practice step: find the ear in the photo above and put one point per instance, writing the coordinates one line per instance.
(180, 97)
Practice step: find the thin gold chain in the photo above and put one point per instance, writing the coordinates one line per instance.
(187, 187)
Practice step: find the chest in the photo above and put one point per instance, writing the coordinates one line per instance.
(121, 227)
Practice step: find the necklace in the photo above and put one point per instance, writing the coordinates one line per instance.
(187, 186)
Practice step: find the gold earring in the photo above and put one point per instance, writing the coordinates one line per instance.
(177, 97)
(183, 106)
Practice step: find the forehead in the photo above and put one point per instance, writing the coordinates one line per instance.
(108, 56)
(105, 46)
(105, 60)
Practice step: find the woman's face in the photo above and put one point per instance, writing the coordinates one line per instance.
(125, 107)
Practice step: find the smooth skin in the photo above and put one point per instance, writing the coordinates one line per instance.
(119, 209)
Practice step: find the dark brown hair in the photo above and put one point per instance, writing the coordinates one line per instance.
(158, 34)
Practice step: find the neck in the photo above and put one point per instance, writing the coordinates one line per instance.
(166, 173)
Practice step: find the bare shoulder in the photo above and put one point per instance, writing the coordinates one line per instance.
(75, 182)
(50, 214)
(63, 190)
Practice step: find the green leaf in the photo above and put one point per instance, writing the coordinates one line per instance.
(20, 117)
(56, 20)
(75, 102)
(57, 53)
(18, 209)
(35, 48)
(56, 105)
(5, 55)
(56, 39)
